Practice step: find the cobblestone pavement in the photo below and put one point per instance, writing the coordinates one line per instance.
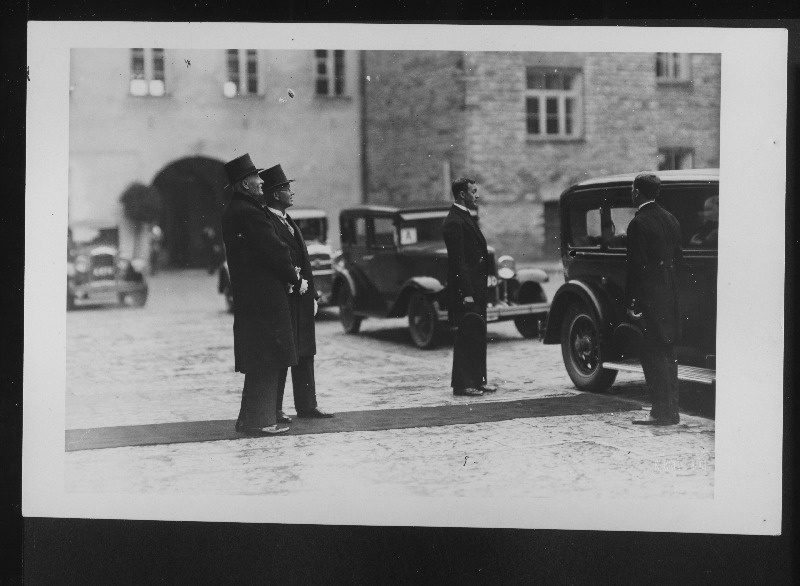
(172, 361)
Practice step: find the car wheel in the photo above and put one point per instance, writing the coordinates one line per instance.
(582, 351)
(350, 321)
(423, 323)
(70, 301)
(136, 299)
(528, 325)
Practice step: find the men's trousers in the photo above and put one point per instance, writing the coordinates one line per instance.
(660, 367)
(469, 353)
(304, 388)
(259, 398)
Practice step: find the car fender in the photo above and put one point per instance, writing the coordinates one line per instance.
(341, 276)
(532, 275)
(427, 285)
(595, 297)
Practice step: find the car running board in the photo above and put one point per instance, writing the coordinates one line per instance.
(508, 311)
(689, 373)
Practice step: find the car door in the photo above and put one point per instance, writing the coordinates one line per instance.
(582, 253)
(356, 256)
(696, 206)
(381, 260)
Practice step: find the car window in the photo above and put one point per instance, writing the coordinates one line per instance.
(424, 231)
(584, 222)
(697, 211)
(615, 227)
(383, 232)
(312, 228)
(353, 231)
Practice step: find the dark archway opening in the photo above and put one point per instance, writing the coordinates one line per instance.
(192, 196)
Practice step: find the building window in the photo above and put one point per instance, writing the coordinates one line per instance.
(675, 158)
(242, 73)
(329, 72)
(672, 67)
(553, 103)
(147, 72)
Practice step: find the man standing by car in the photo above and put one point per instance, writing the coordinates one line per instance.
(651, 296)
(302, 305)
(261, 269)
(467, 257)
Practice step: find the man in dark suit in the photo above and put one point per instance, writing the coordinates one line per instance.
(302, 306)
(467, 257)
(261, 269)
(651, 293)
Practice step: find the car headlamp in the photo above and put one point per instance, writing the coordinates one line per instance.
(506, 267)
(81, 264)
(138, 264)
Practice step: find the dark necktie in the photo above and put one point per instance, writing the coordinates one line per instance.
(286, 223)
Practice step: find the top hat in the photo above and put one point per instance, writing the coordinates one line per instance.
(273, 177)
(239, 168)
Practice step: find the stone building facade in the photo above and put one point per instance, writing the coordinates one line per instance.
(171, 118)
(527, 125)
(379, 127)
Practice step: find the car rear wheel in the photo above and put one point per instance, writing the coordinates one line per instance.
(423, 323)
(350, 321)
(582, 351)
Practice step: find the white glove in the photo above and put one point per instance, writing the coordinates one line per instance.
(303, 287)
(316, 306)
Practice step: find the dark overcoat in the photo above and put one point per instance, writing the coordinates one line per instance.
(260, 269)
(654, 250)
(467, 263)
(301, 307)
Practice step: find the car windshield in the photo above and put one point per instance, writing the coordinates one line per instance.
(313, 229)
(424, 231)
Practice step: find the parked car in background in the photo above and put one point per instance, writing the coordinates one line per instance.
(394, 264)
(313, 224)
(96, 273)
(588, 315)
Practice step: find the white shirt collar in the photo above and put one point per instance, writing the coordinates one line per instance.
(458, 205)
(277, 212)
(647, 202)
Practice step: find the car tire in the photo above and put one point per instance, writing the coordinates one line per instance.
(582, 351)
(423, 322)
(136, 299)
(70, 301)
(528, 325)
(350, 321)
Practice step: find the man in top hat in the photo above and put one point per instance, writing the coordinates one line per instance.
(261, 270)
(303, 305)
(467, 258)
(651, 294)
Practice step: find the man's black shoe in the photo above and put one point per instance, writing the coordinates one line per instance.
(283, 418)
(651, 421)
(314, 414)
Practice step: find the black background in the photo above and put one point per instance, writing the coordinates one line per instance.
(126, 552)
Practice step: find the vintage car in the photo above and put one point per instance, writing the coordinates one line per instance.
(313, 224)
(394, 264)
(96, 273)
(588, 316)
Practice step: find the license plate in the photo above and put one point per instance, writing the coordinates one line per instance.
(491, 281)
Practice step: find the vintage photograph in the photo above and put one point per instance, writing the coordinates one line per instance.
(347, 275)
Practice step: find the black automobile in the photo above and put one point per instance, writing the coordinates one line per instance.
(313, 224)
(394, 264)
(97, 273)
(588, 316)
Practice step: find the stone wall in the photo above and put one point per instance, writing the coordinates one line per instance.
(414, 124)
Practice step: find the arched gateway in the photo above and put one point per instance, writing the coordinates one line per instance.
(192, 198)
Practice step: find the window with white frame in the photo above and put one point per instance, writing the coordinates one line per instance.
(553, 102)
(242, 73)
(672, 67)
(147, 72)
(329, 72)
(675, 158)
